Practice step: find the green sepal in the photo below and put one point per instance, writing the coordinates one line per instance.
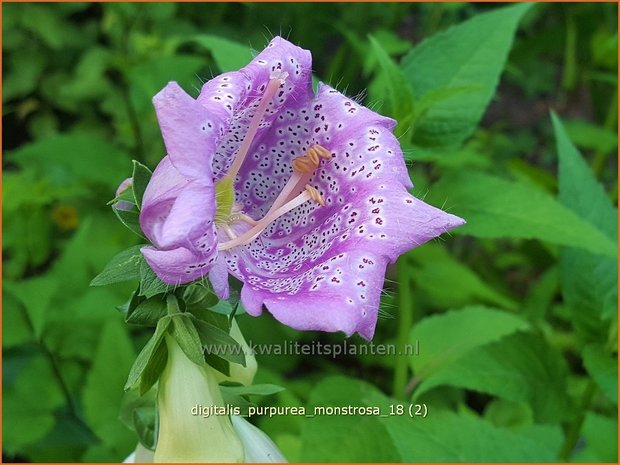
(131, 219)
(148, 312)
(141, 177)
(217, 363)
(150, 284)
(218, 320)
(150, 361)
(128, 307)
(186, 335)
(199, 296)
(218, 342)
(124, 266)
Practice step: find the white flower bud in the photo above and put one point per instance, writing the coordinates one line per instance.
(184, 437)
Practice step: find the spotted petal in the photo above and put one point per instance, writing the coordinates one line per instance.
(178, 266)
(305, 267)
(235, 95)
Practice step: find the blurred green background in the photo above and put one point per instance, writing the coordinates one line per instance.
(515, 313)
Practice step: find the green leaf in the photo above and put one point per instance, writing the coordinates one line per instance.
(589, 136)
(470, 56)
(340, 438)
(28, 406)
(35, 294)
(140, 179)
(218, 342)
(520, 367)
(148, 365)
(77, 157)
(253, 390)
(441, 437)
(16, 329)
(443, 342)
(150, 284)
(454, 438)
(512, 415)
(604, 370)
(186, 335)
(494, 208)
(599, 442)
(436, 270)
(149, 77)
(149, 312)
(579, 189)
(123, 267)
(589, 281)
(399, 93)
(103, 393)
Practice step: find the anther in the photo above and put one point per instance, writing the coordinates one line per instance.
(310, 161)
(315, 195)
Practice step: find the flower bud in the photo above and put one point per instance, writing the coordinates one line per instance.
(123, 204)
(184, 437)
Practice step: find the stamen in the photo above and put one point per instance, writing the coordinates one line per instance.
(303, 167)
(274, 84)
(229, 231)
(310, 193)
(315, 195)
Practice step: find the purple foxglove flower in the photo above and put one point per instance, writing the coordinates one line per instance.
(301, 196)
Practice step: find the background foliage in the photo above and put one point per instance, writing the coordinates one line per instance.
(516, 313)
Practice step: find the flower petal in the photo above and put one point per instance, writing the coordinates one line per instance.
(340, 294)
(236, 95)
(178, 266)
(190, 217)
(218, 276)
(176, 211)
(165, 183)
(188, 131)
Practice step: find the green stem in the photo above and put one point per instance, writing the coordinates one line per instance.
(574, 430)
(405, 320)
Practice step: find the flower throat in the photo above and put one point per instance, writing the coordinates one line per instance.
(296, 191)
